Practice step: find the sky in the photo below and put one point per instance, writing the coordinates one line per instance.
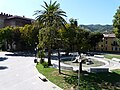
(85, 11)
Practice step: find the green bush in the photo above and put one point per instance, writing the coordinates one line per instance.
(41, 54)
(45, 64)
(42, 60)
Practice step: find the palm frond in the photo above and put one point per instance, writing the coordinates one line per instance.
(50, 3)
(44, 7)
(57, 6)
(46, 4)
(54, 3)
(52, 15)
(37, 12)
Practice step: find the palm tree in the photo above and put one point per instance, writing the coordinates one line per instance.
(52, 19)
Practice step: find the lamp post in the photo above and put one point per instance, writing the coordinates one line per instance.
(58, 45)
(79, 72)
(36, 51)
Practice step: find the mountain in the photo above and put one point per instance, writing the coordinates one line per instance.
(98, 28)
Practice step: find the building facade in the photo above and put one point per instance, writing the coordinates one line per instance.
(10, 20)
(109, 43)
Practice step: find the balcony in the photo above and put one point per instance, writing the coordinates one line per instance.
(115, 44)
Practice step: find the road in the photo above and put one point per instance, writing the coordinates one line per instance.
(19, 73)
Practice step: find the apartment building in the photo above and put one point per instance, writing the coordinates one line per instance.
(109, 43)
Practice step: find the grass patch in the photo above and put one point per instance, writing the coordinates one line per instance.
(117, 71)
(88, 81)
(110, 56)
(53, 75)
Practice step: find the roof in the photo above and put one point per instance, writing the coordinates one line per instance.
(18, 17)
(109, 35)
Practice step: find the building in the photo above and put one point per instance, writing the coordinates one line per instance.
(109, 43)
(10, 20)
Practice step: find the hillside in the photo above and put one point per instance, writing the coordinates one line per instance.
(98, 28)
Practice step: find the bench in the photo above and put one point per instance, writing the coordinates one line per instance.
(97, 70)
(116, 59)
(62, 67)
(99, 56)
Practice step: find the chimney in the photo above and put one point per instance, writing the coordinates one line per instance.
(1, 13)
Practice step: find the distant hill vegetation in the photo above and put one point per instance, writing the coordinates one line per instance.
(98, 28)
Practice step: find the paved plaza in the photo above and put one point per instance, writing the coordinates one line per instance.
(108, 63)
(20, 73)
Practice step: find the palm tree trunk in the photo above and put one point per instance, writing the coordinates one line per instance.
(49, 56)
(59, 61)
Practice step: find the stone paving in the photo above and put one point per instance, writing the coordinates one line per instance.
(111, 64)
(20, 73)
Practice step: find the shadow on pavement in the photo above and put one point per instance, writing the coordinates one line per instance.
(3, 67)
(25, 54)
(3, 58)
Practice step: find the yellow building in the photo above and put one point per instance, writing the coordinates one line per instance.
(109, 44)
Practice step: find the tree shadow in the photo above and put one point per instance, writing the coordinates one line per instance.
(96, 81)
(3, 58)
(25, 54)
(65, 74)
(110, 80)
(3, 67)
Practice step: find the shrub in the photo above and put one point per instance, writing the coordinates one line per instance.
(42, 60)
(41, 55)
(45, 64)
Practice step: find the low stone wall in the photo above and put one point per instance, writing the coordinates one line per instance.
(99, 56)
(116, 59)
(98, 70)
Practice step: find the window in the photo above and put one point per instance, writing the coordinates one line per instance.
(106, 42)
(115, 48)
(112, 48)
(114, 43)
(106, 48)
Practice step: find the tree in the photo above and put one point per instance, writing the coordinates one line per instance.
(29, 35)
(82, 44)
(68, 35)
(52, 19)
(74, 38)
(94, 39)
(116, 23)
(6, 36)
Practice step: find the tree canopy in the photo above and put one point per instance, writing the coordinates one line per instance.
(19, 38)
(52, 19)
(116, 23)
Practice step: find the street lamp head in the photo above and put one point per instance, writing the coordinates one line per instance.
(78, 58)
